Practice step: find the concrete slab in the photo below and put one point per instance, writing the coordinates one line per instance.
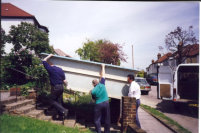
(180, 115)
(150, 124)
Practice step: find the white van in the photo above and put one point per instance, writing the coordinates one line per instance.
(183, 84)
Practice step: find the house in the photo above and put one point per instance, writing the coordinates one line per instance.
(61, 53)
(162, 60)
(12, 15)
(190, 54)
(152, 68)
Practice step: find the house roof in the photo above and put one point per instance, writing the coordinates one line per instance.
(191, 50)
(61, 53)
(188, 51)
(163, 58)
(8, 10)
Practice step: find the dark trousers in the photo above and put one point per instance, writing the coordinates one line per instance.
(56, 98)
(57, 93)
(102, 111)
(137, 118)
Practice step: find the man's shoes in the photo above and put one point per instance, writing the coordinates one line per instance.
(64, 113)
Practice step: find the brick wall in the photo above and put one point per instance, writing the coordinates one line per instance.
(128, 112)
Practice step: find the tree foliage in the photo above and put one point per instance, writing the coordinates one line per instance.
(141, 73)
(4, 39)
(111, 53)
(28, 42)
(180, 36)
(102, 51)
(89, 51)
(176, 40)
(29, 37)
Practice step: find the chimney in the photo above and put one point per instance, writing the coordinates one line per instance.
(152, 61)
(159, 55)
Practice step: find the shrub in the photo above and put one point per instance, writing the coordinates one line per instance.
(24, 88)
(5, 86)
(24, 91)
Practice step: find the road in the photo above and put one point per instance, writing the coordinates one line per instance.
(186, 116)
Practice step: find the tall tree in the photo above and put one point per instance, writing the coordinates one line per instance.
(29, 37)
(27, 41)
(111, 53)
(89, 51)
(179, 38)
(4, 39)
(2, 51)
(102, 51)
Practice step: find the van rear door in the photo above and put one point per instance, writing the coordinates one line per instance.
(187, 82)
(165, 80)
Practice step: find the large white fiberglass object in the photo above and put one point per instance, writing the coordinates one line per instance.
(80, 73)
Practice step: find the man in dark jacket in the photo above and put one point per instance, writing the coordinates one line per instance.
(57, 80)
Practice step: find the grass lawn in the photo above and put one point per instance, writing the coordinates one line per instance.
(19, 124)
(165, 119)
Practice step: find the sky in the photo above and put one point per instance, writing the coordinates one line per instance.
(141, 24)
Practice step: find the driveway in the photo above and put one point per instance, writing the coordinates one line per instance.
(180, 112)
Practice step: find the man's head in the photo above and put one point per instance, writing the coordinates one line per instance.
(130, 78)
(50, 63)
(94, 82)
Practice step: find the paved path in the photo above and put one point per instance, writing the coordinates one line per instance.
(167, 107)
(150, 124)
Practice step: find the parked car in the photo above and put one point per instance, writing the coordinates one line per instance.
(152, 79)
(144, 85)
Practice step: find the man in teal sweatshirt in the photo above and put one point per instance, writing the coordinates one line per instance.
(102, 107)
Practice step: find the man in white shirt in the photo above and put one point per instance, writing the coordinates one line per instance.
(134, 91)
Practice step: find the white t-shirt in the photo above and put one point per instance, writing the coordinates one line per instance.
(134, 90)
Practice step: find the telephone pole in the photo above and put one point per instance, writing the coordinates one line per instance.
(132, 57)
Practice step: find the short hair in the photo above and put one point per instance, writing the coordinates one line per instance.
(50, 63)
(131, 77)
(95, 81)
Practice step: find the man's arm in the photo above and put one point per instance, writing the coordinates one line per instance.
(65, 83)
(130, 93)
(102, 74)
(49, 56)
(45, 64)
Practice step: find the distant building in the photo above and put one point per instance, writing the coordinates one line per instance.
(190, 54)
(12, 15)
(163, 60)
(61, 53)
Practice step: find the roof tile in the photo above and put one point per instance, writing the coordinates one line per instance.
(9, 10)
(163, 58)
(61, 53)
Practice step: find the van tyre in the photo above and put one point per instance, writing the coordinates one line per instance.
(146, 93)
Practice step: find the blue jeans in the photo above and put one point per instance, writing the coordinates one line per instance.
(137, 119)
(102, 111)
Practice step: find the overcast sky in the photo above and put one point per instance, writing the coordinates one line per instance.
(142, 24)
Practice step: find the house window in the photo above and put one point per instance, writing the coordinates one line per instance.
(165, 63)
(173, 63)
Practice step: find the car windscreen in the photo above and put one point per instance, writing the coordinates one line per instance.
(143, 81)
